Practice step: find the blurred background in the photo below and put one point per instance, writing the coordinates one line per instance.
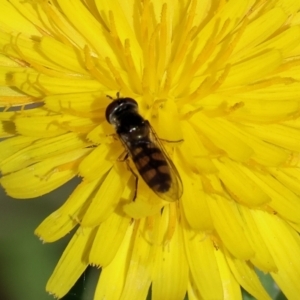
(25, 262)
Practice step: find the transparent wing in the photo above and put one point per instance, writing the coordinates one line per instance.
(176, 190)
(155, 166)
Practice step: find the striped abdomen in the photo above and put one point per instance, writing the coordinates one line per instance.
(152, 166)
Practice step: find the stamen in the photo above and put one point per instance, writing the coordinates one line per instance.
(125, 54)
(220, 79)
(200, 92)
(145, 27)
(228, 47)
(187, 27)
(224, 54)
(30, 62)
(203, 56)
(288, 65)
(162, 43)
(117, 77)
(260, 85)
(181, 54)
(100, 74)
(257, 8)
(56, 21)
(146, 85)
(132, 73)
(152, 61)
(223, 30)
(167, 84)
(183, 44)
(114, 34)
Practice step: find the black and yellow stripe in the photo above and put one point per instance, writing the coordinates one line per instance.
(152, 166)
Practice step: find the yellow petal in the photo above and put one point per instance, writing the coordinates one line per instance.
(79, 103)
(64, 219)
(82, 19)
(253, 69)
(32, 151)
(198, 156)
(25, 49)
(262, 111)
(289, 177)
(162, 121)
(231, 287)
(21, 24)
(13, 145)
(282, 91)
(192, 291)
(229, 226)
(284, 201)
(11, 98)
(111, 283)
(42, 177)
(203, 264)
(287, 41)
(6, 62)
(276, 134)
(97, 163)
(258, 31)
(41, 126)
(139, 270)
(263, 152)
(102, 134)
(143, 206)
(64, 56)
(284, 245)
(108, 239)
(223, 136)
(246, 277)
(71, 265)
(289, 6)
(36, 84)
(263, 258)
(170, 274)
(239, 185)
(107, 197)
(194, 201)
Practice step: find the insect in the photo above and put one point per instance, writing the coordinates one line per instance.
(144, 148)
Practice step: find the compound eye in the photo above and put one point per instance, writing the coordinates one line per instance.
(118, 105)
(130, 102)
(111, 108)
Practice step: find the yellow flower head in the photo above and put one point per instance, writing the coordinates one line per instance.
(218, 82)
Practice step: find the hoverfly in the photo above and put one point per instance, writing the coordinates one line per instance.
(144, 148)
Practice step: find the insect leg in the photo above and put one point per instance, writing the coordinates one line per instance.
(125, 158)
(168, 141)
(158, 138)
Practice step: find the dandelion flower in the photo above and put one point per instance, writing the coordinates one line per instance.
(222, 77)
